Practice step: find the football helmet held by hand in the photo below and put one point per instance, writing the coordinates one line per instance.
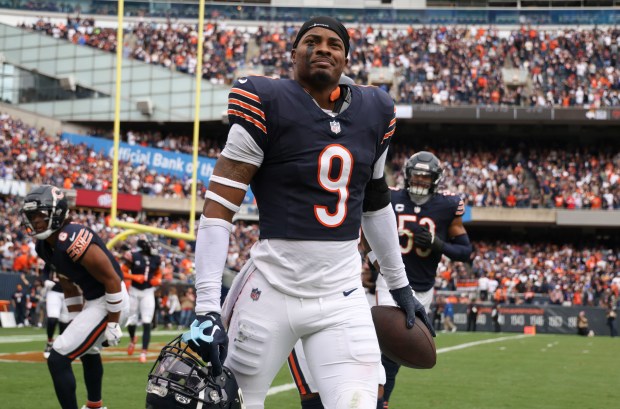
(179, 379)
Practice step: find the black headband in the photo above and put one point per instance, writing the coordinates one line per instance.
(328, 23)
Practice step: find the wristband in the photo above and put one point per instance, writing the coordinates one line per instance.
(114, 301)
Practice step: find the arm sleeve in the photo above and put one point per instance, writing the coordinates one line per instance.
(382, 236)
(240, 146)
(458, 248)
(211, 251)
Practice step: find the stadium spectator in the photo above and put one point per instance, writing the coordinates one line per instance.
(448, 316)
(472, 315)
(495, 314)
(582, 324)
(611, 320)
(19, 301)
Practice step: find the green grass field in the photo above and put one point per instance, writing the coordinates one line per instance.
(474, 371)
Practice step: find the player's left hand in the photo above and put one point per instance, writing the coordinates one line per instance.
(113, 334)
(411, 305)
(207, 337)
(423, 239)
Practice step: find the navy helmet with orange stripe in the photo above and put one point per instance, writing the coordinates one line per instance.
(44, 211)
(179, 379)
(423, 173)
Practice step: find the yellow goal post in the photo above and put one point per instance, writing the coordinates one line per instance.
(134, 228)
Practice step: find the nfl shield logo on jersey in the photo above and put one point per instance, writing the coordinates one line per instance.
(335, 126)
(417, 209)
(255, 295)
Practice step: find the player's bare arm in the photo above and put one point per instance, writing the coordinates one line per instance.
(456, 228)
(228, 170)
(99, 266)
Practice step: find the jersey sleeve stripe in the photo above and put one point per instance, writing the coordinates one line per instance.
(246, 94)
(460, 210)
(249, 119)
(246, 106)
(79, 246)
(388, 134)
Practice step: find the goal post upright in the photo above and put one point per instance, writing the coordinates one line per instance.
(137, 227)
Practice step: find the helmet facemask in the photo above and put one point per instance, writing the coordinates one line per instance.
(422, 176)
(29, 220)
(45, 203)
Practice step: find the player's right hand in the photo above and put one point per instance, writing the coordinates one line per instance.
(423, 239)
(207, 337)
(113, 334)
(412, 306)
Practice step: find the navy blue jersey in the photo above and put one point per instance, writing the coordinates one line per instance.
(437, 214)
(73, 242)
(144, 265)
(311, 183)
(49, 273)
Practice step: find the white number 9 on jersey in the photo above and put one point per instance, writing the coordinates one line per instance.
(339, 185)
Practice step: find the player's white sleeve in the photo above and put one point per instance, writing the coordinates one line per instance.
(377, 170)
(211, 252)
(240, 146)
(382, 235)
(213, 236)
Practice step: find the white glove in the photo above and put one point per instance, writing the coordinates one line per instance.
(113, 334)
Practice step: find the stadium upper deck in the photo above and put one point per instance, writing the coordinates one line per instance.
(433, 12)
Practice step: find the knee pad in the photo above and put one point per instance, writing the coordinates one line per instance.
(247, 354)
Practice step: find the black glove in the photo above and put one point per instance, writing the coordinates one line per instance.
(423, 239)
(207, 337)
(406, 301)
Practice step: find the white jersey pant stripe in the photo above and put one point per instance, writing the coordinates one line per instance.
(336, 331)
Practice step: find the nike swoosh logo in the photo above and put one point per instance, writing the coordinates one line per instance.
(348, 292)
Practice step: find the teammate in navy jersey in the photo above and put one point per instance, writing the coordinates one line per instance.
(55, 306)
(145, 276)
(430, 225)
(314, 153)
(87, 271)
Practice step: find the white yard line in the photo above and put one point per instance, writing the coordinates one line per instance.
(288, 386)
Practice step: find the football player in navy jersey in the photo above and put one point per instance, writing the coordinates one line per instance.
(429, 225)
(145, 276)
(55, 306)
(94, 292)
(314, 153)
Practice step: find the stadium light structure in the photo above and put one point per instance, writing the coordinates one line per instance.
(134, 228)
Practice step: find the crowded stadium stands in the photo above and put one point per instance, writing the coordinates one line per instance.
(431, 65)
(440, 65)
